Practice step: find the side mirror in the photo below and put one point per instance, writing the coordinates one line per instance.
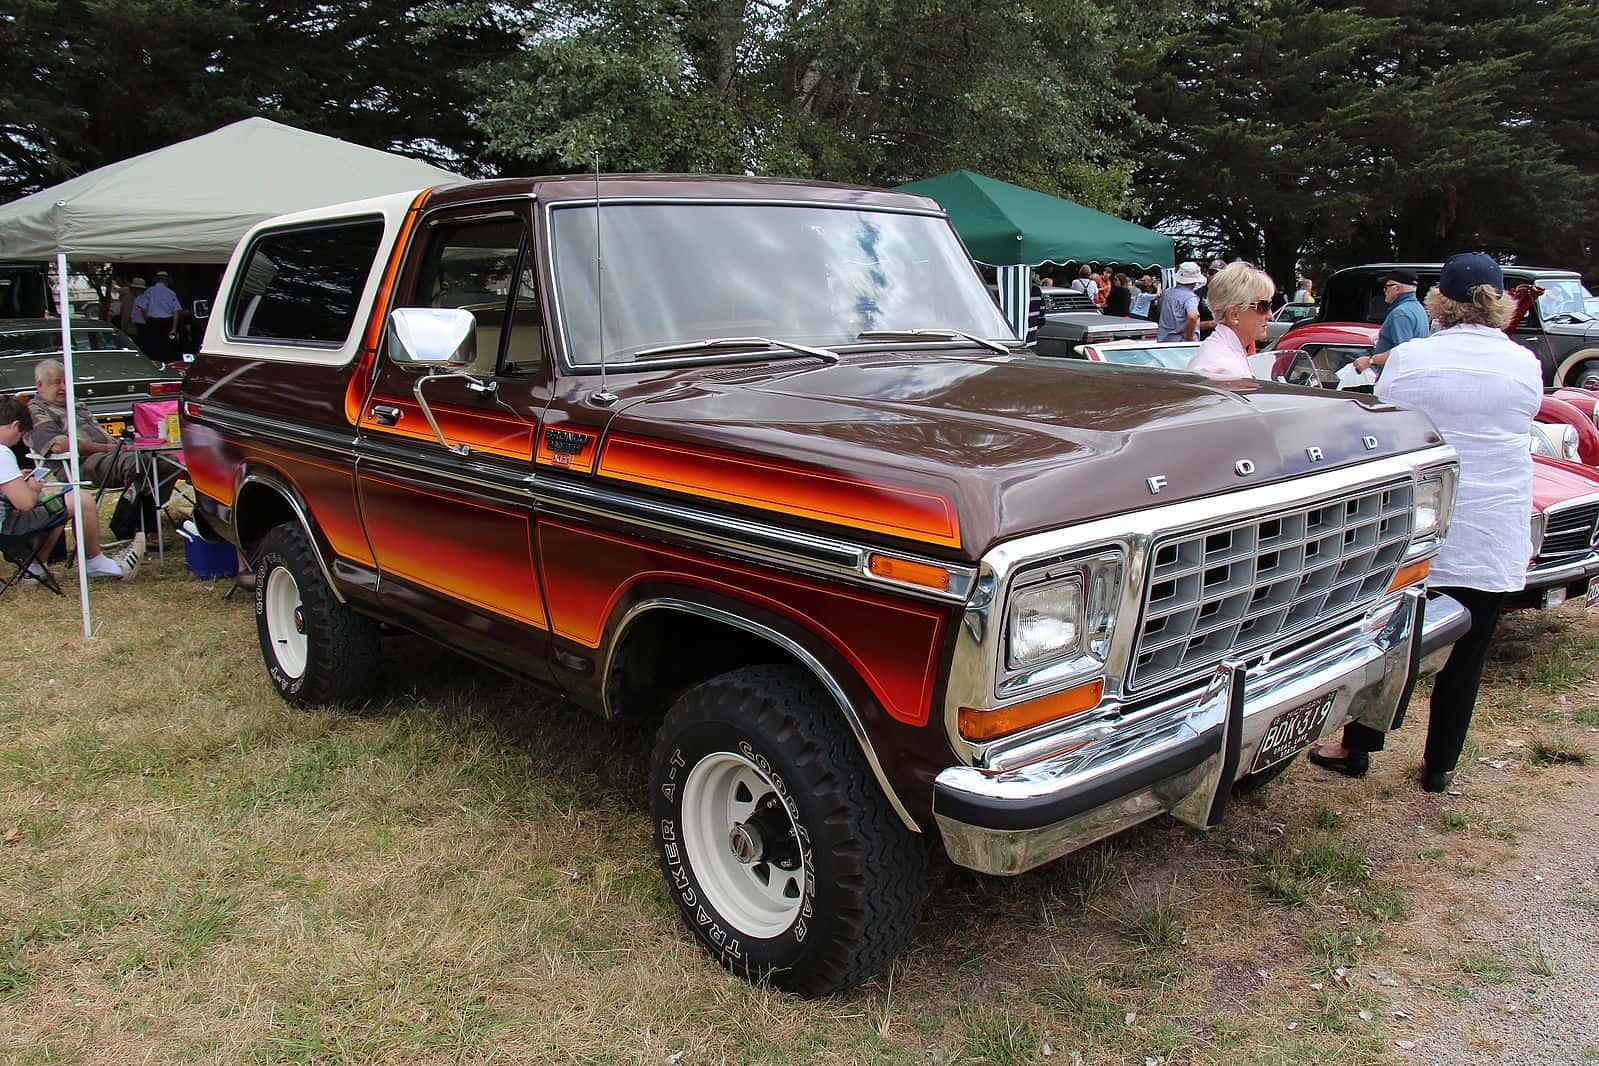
(202, 309)
(443, 337)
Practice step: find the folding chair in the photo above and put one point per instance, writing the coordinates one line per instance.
(24, 549)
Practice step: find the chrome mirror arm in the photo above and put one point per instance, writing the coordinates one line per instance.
(472, 382)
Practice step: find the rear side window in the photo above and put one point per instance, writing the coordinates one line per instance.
(303, 286)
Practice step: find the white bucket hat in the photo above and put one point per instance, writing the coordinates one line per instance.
(1189, 273)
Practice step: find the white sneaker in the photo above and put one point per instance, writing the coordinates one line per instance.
(103, 565)
(131, 556)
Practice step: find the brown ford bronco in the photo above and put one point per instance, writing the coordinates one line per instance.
(761, 462)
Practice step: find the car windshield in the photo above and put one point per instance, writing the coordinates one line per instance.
(1562, 296)
(676, 273)
(48, 342)
(1167, 356)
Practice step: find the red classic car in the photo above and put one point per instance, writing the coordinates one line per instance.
(1566, 419)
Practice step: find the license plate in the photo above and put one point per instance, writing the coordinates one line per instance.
(1592, 599)
(115, 427)
(1291, 731)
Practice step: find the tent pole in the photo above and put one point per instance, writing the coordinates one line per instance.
(64, 307)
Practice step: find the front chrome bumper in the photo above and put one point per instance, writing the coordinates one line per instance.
(1572, 576)
(1182, 754)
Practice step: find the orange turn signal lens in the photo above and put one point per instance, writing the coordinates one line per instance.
(912, 573)
(986, 725)
(1410, 575)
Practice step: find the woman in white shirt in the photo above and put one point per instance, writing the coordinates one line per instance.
(1481, 389)
(1240, 297)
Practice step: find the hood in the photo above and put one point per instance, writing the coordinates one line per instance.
(1587, 329)
(1020, 444)
(1556, 481)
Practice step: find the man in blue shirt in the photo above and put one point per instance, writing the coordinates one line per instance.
(161, 309)
(1179, 306)
(1406, 320)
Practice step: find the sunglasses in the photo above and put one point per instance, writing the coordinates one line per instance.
(1260, 307)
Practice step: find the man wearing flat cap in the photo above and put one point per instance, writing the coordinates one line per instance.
(1406, 319)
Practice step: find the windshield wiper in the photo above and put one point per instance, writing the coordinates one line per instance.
(945, 334)
(733, 342)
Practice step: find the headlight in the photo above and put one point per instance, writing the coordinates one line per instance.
(1556, 440)
(1066, 612)
(1570, 447)
(1540, 521)
(1435, 496)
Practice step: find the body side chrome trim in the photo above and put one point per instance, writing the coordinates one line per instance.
(794, 648)
(754, 541)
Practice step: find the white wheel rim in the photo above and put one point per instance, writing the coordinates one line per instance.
(285, 622)
(729, 806)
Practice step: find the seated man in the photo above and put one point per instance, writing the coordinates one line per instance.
(27, 507)
(99, 460)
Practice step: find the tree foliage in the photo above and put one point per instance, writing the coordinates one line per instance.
(1304, 129)
(873, 91)
(89, 82)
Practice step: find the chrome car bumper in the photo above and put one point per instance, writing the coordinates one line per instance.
(1571, 577)
(1181, 755)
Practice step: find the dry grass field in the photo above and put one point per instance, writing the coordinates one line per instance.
(194, 872)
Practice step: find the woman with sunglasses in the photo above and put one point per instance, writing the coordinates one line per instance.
(1240, 296)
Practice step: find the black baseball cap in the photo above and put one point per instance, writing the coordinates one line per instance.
(1404, 277)
(1465, 271)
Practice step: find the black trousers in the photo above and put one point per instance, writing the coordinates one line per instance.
(1454, 692)
(156, 341)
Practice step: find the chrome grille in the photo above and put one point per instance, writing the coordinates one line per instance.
(1234, 587)
(1569, 534)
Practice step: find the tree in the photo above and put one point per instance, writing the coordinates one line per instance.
(872, 91)
(1285, 130)
(88, 82)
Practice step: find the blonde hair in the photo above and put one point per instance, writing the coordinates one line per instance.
(1237, 285)
(1484, 306)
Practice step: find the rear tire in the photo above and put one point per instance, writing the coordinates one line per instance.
(317, 650)
(779, 848)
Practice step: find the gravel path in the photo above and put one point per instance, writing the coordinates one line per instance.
(1541, 895)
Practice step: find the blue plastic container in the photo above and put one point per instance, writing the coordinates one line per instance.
(210, 559)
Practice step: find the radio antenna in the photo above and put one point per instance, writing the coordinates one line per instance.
(603, 398)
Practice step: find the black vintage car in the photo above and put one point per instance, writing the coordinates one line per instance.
(1560, 328)
(110, 372)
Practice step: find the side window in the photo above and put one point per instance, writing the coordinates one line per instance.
(303, 286)
(477, 266)
(524, 345)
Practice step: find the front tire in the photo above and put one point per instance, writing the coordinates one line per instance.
(784, 857)
(1586, 375)
(317, 650)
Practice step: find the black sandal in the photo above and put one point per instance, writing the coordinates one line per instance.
(1355, 764)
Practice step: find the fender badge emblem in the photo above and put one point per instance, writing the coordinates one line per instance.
(1369, 442)
(1243, 468)
(1313, 453)
(1155, 484)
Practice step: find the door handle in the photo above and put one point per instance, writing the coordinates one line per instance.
(384, 415)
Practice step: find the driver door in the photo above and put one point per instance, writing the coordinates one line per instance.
(450, 522)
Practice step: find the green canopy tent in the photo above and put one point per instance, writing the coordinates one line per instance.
(1015, 229)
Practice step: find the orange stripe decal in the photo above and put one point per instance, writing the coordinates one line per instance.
(774, 486)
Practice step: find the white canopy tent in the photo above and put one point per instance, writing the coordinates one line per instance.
(190, 203)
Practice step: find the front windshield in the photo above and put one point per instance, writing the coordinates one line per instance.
(1169, 357)
(679, 272)
(1562, 296)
